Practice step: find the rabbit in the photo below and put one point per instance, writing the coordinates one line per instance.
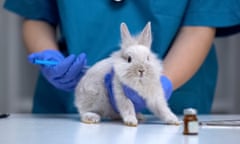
(136, 66)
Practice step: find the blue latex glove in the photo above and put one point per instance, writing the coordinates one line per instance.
(66, 73)
(138, 101)
(167, 86)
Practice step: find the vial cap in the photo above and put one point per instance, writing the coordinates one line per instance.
(190, 111)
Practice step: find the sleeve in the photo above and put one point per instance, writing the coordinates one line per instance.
(45, 10)
(224, 15)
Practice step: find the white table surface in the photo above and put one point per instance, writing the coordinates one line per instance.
(67, 129)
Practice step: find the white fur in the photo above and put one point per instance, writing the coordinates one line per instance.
(142, 74)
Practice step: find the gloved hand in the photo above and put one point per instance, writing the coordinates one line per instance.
(167, 86)
(66, 73)
(137, 100)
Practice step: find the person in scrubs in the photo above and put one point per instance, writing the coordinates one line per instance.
(78, 33)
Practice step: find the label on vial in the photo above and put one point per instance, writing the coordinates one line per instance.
(193, 127)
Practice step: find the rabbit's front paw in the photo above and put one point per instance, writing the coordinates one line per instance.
(171, 119)
(130, 121)
(90, 117)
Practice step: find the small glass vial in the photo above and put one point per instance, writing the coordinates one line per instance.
(190, 122)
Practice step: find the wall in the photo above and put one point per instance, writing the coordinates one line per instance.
(17, 77)
(228, 91)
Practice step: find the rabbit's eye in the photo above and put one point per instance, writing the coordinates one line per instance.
(129, 59)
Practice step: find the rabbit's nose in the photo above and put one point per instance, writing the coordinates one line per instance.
(141, 72)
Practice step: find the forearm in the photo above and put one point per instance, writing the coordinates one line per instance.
(187, 53)
(38, 36)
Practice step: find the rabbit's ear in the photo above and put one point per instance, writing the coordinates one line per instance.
(145, 38)
(125, 35)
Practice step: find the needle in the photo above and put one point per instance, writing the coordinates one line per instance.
(52, 63)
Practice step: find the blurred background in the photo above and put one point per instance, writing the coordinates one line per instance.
(18, 77)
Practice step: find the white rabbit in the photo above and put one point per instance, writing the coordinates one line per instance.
(135, 66)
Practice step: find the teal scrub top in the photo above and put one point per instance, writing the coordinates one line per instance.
(92, 26)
